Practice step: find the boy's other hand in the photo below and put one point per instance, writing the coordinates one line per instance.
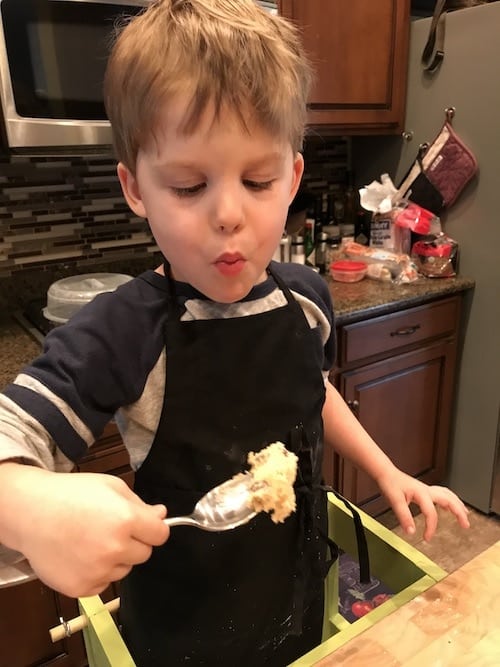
(79, 531)
(401, 489)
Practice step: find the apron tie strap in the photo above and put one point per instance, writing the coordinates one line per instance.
(304, 491)
(334, 551)
(363, 555)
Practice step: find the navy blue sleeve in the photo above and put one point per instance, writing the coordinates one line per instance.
(96, 363)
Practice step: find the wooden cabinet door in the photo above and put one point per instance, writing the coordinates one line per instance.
(404, 403)
(359, 50)
(108, 455)
(27, 612)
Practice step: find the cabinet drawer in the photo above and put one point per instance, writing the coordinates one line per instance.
(115, 460)
(390, 332)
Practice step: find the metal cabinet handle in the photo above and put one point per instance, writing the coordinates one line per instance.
(406, 331)
(354, 406)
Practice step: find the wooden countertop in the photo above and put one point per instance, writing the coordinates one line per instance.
(455, 623)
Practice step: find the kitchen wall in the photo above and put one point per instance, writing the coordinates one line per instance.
(64, 215)
(65, 209)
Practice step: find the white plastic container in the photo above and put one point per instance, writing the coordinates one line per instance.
(66, 296)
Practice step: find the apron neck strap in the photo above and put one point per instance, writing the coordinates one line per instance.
(176, 309)
(283, 287)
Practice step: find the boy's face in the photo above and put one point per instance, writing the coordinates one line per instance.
(216, 200)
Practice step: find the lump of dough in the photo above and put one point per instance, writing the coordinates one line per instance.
(274, 470)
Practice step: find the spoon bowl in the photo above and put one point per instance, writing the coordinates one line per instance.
(224, 507)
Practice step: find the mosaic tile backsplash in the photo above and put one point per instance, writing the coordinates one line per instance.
(64, 215)
(65, 210)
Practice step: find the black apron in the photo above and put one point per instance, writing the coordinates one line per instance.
(254, 595)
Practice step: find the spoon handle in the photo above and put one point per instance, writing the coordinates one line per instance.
(181, 521)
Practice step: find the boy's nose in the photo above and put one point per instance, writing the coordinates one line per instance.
(228, 212)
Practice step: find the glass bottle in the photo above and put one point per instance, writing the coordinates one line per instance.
(319, 216)
(351, 205)
(321, 251)
(309, 247)
(333, 216)
(362, 228)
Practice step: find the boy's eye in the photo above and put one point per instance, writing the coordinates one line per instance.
(190, 191)
(258, 185)
(193, 190)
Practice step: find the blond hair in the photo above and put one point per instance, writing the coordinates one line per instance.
(226, 52)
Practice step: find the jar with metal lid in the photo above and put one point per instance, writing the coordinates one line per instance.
(282, 252)
(298, 254)
(321, 251)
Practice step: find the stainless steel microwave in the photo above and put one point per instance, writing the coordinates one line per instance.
(53, 55)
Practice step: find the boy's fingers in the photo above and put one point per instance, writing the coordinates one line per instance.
(404, 516)
(462, 518)
(447, 500)
(149, 527)
(160, 511)
(428, 509)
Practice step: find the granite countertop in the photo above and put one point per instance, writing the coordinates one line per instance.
(367, 298)
(352, 302)
(17, 349)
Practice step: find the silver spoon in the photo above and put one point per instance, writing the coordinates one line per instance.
(224, 507)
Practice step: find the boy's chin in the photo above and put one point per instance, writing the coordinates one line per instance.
(232, 291)
(228, 295)
(220, 289)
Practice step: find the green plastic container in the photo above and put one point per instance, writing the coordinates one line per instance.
(401, 567)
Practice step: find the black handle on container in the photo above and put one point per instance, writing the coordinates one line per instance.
(407, 331)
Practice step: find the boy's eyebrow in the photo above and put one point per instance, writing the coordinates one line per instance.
(274, 157)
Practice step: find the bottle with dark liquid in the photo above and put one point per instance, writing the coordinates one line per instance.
(320, 212)
(362, 228)
(333, 216)
(321, 251)
(351, 206)
(309, 245)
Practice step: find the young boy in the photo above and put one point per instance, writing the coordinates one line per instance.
(216, 353)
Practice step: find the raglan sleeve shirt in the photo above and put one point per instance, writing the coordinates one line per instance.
(109, 362)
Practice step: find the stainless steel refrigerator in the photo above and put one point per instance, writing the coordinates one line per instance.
(469, 80)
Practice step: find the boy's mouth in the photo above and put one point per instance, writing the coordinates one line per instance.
(229, 263)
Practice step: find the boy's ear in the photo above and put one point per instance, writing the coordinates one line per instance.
(131, 190)
(298, 170)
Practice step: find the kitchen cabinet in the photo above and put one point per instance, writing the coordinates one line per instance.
(108, 455)
(29, 610)
(397, 373)
(359, 51)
